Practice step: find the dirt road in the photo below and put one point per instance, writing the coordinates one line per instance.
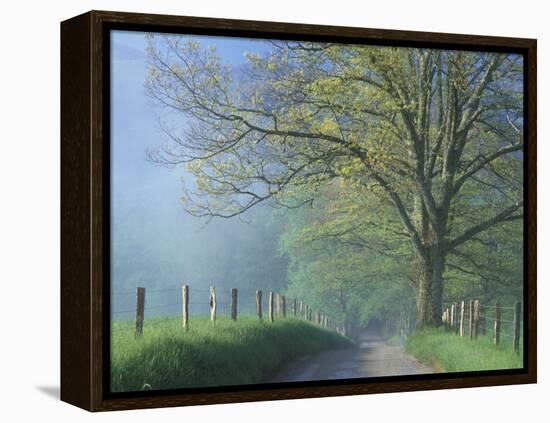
(374, 357)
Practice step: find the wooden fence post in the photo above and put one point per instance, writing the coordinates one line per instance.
(234, 294)
(448, 312)
(307, 312)
(462, 319)
(471, 323)
(294, 307)
(517, 327)
(185, 301)
(270, 306)
(455, 319)
(259, 303)
(278, 305)
(283, 305)
(496, 327)
(452, 317)
(476, 318)
(213, 304)
(302, 309)
(140, 310)
(483, 325)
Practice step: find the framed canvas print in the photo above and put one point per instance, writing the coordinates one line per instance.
(257, 210)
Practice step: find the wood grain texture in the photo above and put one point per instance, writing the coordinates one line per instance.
(530, 227)
(85, 221)
(298, 30)
(75, 212)
(100, 216)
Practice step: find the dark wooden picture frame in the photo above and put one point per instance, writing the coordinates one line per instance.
(85, 219)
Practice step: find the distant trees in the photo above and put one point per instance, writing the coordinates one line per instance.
(156, 246)
(416, 145)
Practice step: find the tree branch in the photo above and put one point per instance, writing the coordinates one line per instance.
(482, 163)
(503, 216)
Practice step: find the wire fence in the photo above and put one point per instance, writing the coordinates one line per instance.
(471, 319)
(171, 302)
(163, 304)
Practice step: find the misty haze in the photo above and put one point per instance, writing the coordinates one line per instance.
(286, 211)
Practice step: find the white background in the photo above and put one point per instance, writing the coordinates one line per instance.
(29, 213)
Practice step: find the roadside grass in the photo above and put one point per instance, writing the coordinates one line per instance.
(447, 352)
(225, 353)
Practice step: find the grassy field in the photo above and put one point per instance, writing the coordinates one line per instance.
(227, 353)
(447, 352)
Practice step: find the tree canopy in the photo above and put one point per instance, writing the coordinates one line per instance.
(408, 152)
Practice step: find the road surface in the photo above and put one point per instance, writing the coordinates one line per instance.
(373, 357)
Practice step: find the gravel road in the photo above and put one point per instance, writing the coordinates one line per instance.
(374, 357)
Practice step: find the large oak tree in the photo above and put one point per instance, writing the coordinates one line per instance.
(437, 135)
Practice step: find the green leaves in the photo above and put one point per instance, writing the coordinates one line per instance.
(397, 149)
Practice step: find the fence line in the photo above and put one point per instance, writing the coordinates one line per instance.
(279, 307)
(475, 318)
(175, 288)
(492, 307)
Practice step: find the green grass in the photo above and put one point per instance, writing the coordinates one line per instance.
(227, 353)
(447, 352)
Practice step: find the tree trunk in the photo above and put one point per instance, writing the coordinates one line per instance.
(429, 293)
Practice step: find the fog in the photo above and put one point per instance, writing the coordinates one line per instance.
(155, 244)
(344, 255)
